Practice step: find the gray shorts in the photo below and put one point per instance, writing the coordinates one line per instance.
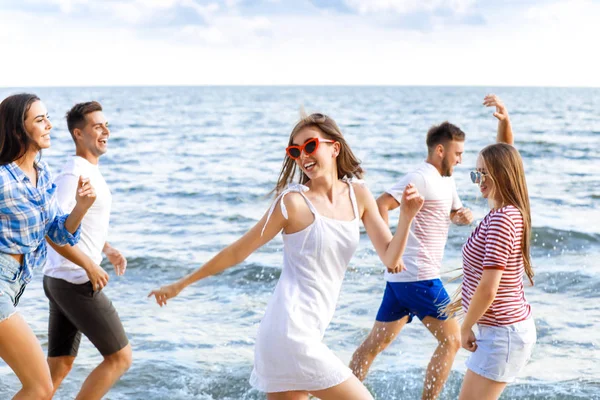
(77, 309)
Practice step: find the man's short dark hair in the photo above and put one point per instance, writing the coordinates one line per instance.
(76, 115)
(442, 134)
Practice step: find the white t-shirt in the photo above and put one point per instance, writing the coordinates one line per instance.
(429, 229)
(94, 227)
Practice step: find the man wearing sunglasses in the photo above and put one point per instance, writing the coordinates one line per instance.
(418, 291)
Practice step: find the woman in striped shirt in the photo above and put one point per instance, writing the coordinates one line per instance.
(29, 213)
(495, 260)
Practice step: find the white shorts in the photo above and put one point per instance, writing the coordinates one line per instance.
(503, 351)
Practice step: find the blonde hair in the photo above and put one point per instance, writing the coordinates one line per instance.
(505, 167)
(346, 161)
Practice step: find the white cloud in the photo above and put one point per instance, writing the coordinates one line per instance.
(409, 6)
(67, 6)
(530, 46)
(251, 31)
(157, 12)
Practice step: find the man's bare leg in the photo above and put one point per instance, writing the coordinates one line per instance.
(99, 382)
(447, 334)
(59, 369)
(380, 337)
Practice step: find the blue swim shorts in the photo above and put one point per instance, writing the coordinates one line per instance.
(420, 298)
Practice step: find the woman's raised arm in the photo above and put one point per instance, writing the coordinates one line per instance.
(389, 248)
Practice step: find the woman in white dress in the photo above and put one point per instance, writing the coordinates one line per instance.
(320, 221)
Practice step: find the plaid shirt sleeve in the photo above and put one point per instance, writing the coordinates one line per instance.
(56, 230)
(29, 213)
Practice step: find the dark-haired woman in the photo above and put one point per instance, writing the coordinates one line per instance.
(319, 217)
(28, 214)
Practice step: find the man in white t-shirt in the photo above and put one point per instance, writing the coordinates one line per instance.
(418, 290)
(73, 278)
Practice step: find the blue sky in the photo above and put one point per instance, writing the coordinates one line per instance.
(318, 42)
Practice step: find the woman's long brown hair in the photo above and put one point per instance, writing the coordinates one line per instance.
(347, 163)
(505, 167)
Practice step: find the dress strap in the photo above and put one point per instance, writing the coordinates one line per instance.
(350, 181)
(292, 187)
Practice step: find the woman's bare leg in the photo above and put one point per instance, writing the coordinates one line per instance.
(295, 395)
(21, 350)
(350, 389)
(476, 387)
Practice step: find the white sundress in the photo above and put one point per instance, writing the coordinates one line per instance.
(289, 352)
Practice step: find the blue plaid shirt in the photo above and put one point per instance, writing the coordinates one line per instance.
(28, 214)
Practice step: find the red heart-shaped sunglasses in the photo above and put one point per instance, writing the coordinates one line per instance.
(309, 147)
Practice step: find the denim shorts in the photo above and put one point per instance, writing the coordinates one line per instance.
(11, 287)
(503, 351)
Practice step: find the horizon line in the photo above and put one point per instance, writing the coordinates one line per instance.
(299, 85)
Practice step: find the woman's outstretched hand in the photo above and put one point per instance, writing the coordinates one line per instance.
(491, 100)
(505, 133)
(165, 293)
(412, 201)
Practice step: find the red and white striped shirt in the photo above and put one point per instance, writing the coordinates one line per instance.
(496, 244)
(429, 230)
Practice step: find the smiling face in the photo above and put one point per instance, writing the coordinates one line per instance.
(37, 125)
(93, 137)
(331, 159)
(486, 186)
(322, 162)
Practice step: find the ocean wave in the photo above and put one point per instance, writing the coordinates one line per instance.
(181, 381)
(245, 274)
(552, 241)
(252, 273)
(408, 384)
(579, 389)
(574, 283)
(544, 241)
